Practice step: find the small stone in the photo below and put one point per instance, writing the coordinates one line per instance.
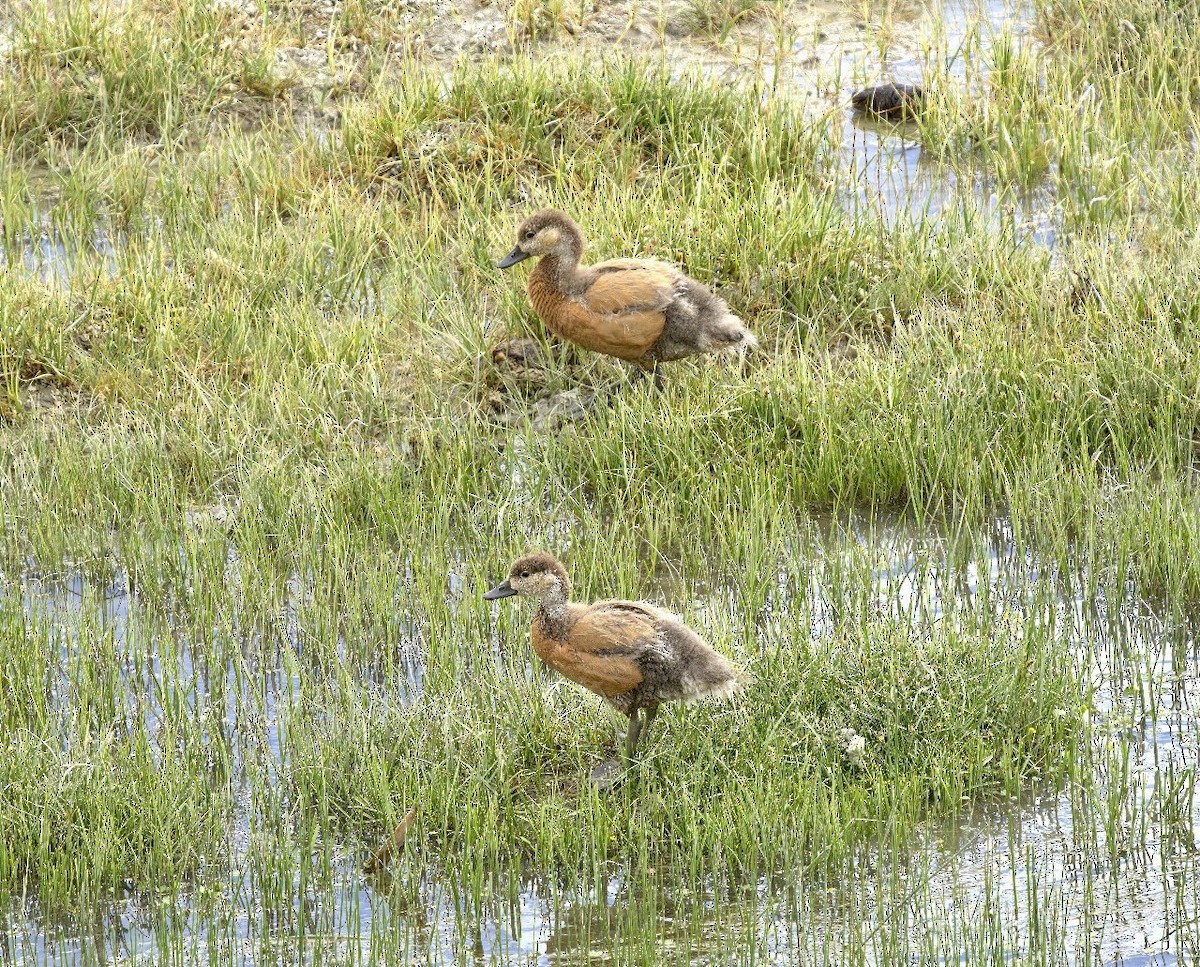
(889, 100)
(518, 355)
(567, 406)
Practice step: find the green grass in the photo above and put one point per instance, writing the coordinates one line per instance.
(79, 71)
(719, 17)
(499, 761)
(270, 415)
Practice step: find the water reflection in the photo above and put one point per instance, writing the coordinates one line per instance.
(56, 256)
(890, 176)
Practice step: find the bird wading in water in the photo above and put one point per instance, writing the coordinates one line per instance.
(633, 655)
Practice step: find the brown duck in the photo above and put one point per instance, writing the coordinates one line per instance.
(633, 655)
(639, 310)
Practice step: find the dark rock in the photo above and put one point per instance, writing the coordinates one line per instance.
(889, 100)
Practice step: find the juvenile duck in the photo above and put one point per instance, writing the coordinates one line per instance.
(639, 310)
(631, 654)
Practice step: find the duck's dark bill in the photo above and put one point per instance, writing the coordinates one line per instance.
(504, 590)
(512, 258)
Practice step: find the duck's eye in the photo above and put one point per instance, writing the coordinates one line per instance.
(524, 574)
(529, 235)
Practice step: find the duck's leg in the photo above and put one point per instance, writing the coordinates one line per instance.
(640, 369)
(651, 712)
(631, 738)
(746, 361)
(638, 725)
(609, 773)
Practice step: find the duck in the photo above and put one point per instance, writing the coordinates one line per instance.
(643, 311)
(890, 100)
(632, 654)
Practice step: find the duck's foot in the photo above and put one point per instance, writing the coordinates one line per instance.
(610, 774)
(637, 373)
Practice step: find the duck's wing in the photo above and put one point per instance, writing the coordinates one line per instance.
(617, 307)
(621, 311)
(639, 286)
(615, 629)
(674, 661)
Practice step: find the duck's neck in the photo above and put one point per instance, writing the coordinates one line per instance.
(553, 613)
(561, 267)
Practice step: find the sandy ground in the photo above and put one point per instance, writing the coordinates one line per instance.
(816, 51)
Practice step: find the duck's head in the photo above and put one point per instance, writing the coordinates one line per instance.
(547, 232)
(538, 575)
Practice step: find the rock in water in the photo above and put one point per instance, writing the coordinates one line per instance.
(889, 100)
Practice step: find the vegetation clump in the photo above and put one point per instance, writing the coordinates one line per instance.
(269, 427)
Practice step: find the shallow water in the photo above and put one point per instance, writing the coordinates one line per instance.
(889, 175)
(886, 173)
(829, 49)
(881, 171)
(1118, 893)
(1104, 875)
(58, 258)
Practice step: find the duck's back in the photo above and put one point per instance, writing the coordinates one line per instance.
(674, 661)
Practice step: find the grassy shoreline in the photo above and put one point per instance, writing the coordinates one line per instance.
(264, 409)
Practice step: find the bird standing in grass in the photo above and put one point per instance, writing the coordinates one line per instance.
(633, 655)
(640, 310)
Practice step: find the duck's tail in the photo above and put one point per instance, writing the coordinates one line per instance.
(735, 336)
(721, 682)
(722, 692)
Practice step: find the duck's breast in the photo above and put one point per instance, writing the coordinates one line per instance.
(599, 662)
